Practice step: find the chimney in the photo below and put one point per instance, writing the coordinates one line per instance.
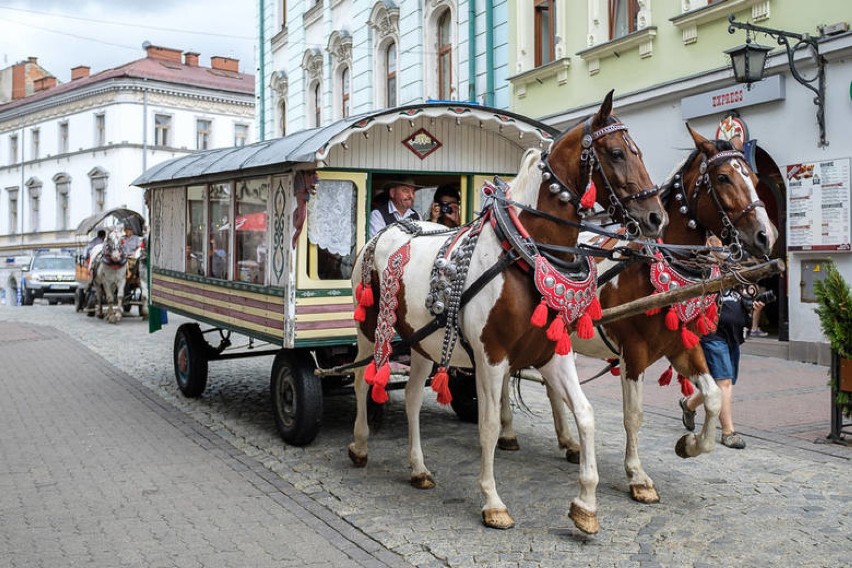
(19, 81)
(80, 72)
(225, 64)
(163, 53)
(190, 59)
(44, 83)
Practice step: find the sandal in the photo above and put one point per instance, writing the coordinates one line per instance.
(688, 416)
(733, 440)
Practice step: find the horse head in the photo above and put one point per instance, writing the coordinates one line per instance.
(598, 161)
(715, 191)
(112, 251)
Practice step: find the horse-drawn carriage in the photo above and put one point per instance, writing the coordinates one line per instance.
(228, 250)
(129, 271)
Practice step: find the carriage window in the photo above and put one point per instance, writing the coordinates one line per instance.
(250, 246)
(332, 230)
(219, 226)
(195, 230)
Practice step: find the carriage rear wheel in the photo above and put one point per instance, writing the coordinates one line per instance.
(463, 388)
(190, 358)
(296, 397)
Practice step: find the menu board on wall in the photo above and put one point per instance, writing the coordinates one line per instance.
(818, 206)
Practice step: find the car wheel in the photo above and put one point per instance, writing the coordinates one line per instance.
(190, 359)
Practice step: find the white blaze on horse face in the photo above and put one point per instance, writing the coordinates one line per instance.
(760, 212)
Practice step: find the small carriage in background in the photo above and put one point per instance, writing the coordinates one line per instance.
(239, 244)
(135, 285)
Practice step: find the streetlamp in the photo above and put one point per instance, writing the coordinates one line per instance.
(748, 62)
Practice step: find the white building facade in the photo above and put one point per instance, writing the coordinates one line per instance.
(71, 150)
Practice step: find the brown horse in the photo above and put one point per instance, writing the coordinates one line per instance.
(484, 283)
(712, 193)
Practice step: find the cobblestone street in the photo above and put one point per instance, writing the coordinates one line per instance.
(783, 501)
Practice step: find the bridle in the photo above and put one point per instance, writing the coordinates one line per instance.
(689, 203)
(591, 163)
(111, 243)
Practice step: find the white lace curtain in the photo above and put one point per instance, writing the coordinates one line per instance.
(331, 217)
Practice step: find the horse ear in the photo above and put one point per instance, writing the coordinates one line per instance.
(737, 142)
(603, 112)
(701, 143)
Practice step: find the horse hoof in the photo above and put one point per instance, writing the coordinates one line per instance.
(508, 444)
(586, 521)
(357, 460)
(572, 455)
(497, 518)
(644, 494)
(680, 447)
(422, 481)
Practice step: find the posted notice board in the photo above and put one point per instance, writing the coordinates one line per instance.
(819, 214)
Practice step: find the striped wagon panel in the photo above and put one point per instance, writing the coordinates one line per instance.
(255, 314)
(324, 318)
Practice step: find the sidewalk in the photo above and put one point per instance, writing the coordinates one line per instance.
(97, 470)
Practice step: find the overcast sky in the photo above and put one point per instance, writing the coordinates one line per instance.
(107, 33)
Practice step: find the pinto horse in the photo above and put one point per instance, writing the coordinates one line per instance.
(711, 193)
(492, 291)
(109, 263)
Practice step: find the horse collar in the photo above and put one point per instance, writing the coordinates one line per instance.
(665, 277)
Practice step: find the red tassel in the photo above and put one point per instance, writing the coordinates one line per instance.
(379, 394)
(688, 338)
(556, 329)
(539, 316)
(672, 321)
(585, 327)
(441, 385)
(370, 373)
(653, 311)
(358, 290)
(383, 376)
(590, 196)
(563, 346)
(686, 388)
(594, 310)
(360, 313)
(367, 297)
(666, 377)
(616, 370)
(701, 325)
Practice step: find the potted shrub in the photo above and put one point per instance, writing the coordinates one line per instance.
(835, 316)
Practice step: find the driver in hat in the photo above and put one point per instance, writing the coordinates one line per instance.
(398, 207)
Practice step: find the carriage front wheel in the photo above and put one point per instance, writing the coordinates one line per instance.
(462, 385)
(296, 397)
(190, 355)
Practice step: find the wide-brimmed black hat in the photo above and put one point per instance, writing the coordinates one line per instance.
(409, 181)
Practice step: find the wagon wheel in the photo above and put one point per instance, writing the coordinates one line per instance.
(190, 358)
(463, 388)
(296, 397)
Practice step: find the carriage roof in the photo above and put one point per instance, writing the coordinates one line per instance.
(313, 145)
(111, 217)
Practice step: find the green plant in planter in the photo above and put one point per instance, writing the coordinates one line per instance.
(835, 316)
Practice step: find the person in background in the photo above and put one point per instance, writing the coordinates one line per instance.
(130, 242)
(445, 206)
(97, 240)
(757, 309)
(722, 352)
(398, 207)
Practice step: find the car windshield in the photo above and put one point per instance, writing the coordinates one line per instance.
(53, 263)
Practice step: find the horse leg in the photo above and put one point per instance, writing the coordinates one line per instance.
(421, 477)
(358, 447)
(560, 424)
(561, 373)
(508, 440)
(692, 445)
(641, 485)
(489, 388)
(119, 298)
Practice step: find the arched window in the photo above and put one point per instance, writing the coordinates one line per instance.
(390, 75)
(317, 104)
(445, 57)
(344, 92)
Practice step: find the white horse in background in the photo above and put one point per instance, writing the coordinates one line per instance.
(109, 266)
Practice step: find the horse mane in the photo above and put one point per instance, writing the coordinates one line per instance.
(526, 184)
(665, 189)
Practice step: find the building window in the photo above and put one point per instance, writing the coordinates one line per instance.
(13, 209)
(63, 187)
(63, 137)
(623, 17)
(445, 57)
(98, 179)
(202, 134)
(162, 130)
(36, 141)
(283, 14)
(344, 92)
(283, 121)
(390, 75)
(317, 104)
(100, 130)
(13, 149)
(545, 32)
(34, 190)
(240, 134)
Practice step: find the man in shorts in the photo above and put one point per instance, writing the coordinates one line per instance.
(722, 352)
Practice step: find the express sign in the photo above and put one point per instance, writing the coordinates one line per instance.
(734, 97)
